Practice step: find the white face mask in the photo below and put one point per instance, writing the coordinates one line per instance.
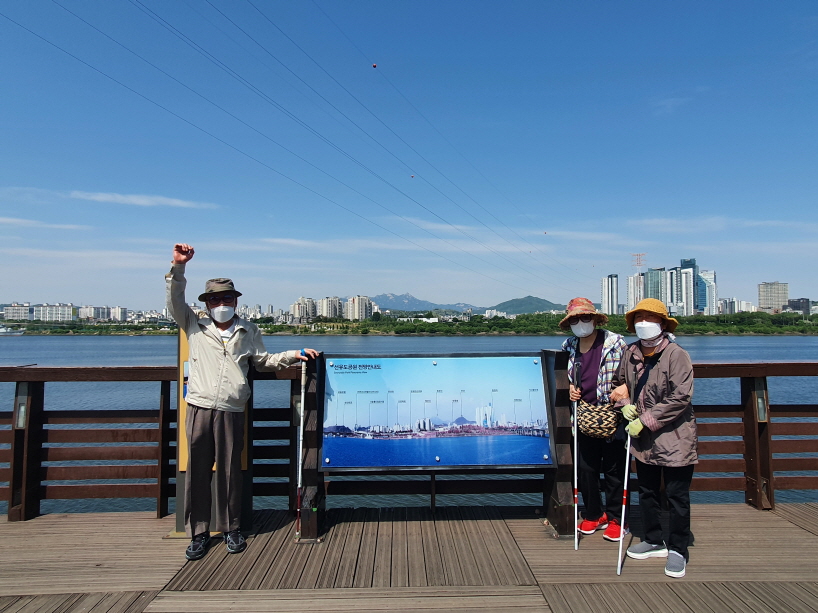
(583, 328)
(647, 330)
(222, 313)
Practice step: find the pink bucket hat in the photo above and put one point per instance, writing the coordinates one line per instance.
(582, 306)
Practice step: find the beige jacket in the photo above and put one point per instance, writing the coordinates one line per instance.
(217, 376)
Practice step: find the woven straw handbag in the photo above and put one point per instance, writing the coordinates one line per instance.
(597, 421)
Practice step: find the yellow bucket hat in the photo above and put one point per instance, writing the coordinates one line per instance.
(651, 305)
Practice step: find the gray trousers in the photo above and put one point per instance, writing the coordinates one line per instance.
(213, 436)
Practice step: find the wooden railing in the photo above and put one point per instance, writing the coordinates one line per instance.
(139, 443)
(140, 447)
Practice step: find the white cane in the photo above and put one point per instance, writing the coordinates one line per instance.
(574, 403)
(299, 486)
(624, 502)
(625, 485)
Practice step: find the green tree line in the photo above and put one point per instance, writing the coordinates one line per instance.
(529, 324)
(546, 323)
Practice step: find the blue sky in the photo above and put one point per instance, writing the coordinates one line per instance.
(497, 150)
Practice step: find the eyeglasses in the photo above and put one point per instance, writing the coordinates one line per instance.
(573, 321)
(223, 299)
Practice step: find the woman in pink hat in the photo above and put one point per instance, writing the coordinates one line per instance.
(594, 357)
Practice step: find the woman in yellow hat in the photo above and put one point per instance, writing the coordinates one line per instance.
(594, 355)
(655, 377)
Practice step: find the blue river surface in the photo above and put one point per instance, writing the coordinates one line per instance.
(161, 350)
(445, 451)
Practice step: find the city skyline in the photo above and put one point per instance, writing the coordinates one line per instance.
(469, 153)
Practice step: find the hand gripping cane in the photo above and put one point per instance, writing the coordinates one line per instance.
(577, 373)
(299, 487)
(625, 486)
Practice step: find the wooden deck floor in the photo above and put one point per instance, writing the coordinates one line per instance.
(459, 559)
(804, 515)
(365, 548)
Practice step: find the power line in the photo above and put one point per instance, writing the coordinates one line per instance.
(242, 80)
(383, 75)
(415, 151)
(244, 153)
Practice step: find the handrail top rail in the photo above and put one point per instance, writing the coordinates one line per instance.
(713, 370)
(702, 370)
(12, 374)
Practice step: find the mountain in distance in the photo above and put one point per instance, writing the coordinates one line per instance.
(407, 302)
(529, 304)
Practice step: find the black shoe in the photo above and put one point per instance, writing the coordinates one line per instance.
(198, 546)
(235, 541)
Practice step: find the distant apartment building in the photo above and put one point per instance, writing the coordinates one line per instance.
(303, 309)
(655, 283)
(55, 312)
(94, 313)
(636, 289)
(676, 287)
(330, 306)
(710, 303)
(495, 313)
(119, 313)
(690, 264)
(358, 307)
(18, 312)
(802, 305)
(249, 312)
(731, 306)
(610, 294)
(773, 296)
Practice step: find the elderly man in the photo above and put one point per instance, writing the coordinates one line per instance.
(221, 348)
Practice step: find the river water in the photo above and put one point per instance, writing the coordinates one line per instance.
(161, 351)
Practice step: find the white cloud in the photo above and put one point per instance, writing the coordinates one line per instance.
(668, 106)
(434, 226)
(140, 200)
(90, 258)
(701, 225)
(33, 223)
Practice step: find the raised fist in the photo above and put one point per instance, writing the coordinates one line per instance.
(182, 252)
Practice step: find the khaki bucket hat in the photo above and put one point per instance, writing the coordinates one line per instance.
(217, 286)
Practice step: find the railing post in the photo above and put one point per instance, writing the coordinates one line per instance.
(313, 495)
(26, 451)
(758, 457)
(165, 452)
(558, 491)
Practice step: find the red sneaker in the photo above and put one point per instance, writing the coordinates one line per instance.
(590, 526)
(614, 532)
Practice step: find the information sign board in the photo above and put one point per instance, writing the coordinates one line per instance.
(435, 412)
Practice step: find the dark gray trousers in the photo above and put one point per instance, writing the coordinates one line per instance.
(213, 436)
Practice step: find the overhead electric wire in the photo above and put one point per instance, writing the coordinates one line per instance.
(231, 72)
(269, 138)
(393, 132)
(382, 74)
(265, 97)
(244, 153)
